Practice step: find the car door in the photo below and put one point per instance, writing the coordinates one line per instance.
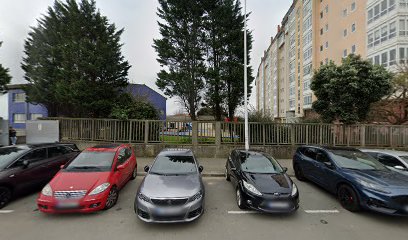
(233, 168)
(308, 163)
(325, 170)
(391, 161)
(32, 175)
(123, 173)
(57, 156)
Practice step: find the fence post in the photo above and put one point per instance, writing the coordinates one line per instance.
(195, 133)
(307, 134)
(130, 130)
(334, 134)
(362, 135)
(320, 134)
(263, 134)
(93, 130)
(348, 135)
(292, 134)
(391, 136)
(146, 132)
(218, 134)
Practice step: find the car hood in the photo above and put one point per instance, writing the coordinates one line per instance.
(160, 186)
(68, 181)
(270, 183)
(385, 178)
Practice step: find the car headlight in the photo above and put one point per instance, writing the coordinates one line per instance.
(294, 190)
(196, 196)
(251, 188)
(47, 190)
(100, 188)
(372, 186)
(143, 197)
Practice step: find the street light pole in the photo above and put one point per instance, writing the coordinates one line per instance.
(246, 80)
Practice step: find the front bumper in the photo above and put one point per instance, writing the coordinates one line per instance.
(269, 203)
(86, 204)
(390, 204)
(151, 213)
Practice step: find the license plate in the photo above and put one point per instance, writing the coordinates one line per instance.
(167, 211)
(278, 205)
(67, 204)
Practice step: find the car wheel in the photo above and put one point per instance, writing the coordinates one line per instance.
(5, 196)
(134, 174)
(112, 198)
(227, 176)
(348, 198)
(299, 173)
(240, 200)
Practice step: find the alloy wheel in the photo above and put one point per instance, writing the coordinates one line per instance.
(5, 196)
(134, 174)
(348, 198)
(112, 198)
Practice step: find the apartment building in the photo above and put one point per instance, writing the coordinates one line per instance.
(312, 33)
(387, 32)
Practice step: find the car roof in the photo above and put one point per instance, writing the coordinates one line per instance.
(176, 151)
(331, 148)
(387, 151)
(110, 147)
(251, 151)
(39, 145)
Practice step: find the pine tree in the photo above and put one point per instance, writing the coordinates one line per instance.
(181, 52)
(74, 62)
(4, 77)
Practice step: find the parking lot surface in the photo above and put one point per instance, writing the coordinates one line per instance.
(319, 217)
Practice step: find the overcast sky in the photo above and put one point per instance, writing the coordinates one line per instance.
(139, 19)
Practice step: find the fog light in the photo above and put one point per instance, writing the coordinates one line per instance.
(43, 206)
(249, 202)
(95, 205)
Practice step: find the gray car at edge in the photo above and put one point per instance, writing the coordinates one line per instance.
(172, 190)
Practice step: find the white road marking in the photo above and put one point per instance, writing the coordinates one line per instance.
(242, 212)
(6, 211)
(322, 211)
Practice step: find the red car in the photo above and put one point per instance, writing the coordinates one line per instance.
(91, 181)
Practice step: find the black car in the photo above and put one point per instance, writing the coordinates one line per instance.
(27, 167)
(261, 183)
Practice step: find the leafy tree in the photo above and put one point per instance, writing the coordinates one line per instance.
(345, 92)
(181, 52)
(394, 107)
(4, 77)
(224, 26)
(129, 107)
(74, 62)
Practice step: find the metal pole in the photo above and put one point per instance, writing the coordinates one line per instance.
(246, 80)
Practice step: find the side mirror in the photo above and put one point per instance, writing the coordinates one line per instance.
(120, 167)
(25, 163)
(399, 168)
(200, 169)
(62, 166)
(285, 169)
(329, 165)
(146, 168)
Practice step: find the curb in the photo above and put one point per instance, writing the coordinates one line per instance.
(205, 174)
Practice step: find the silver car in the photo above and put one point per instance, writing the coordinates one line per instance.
(172, 190)
(395, 160)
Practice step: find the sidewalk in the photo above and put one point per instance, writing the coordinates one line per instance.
(213, 167)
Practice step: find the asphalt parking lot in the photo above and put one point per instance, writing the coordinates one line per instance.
(319, 217)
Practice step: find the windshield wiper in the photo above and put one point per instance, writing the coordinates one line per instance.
(85, 167)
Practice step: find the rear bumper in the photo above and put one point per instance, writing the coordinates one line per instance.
(85, 205)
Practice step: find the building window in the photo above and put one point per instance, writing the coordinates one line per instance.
(377, 60)
(384, 8)
(345, 53)
(321, 31)
(19, 97)
(35, 116)
(327, 45)
(326, 61)
(404, 3)
(345, 33)
(327, 26)
(370, 41)
(384, 59)
(377, 37)
(321, 14)
(307, 100)
(393, 30)
(353, 27)
(402, 55)
(321, 48)
(19, 118)
(393, 57)
(370, 16)
(353, 6)
(402, 29)
(345, 12)
(392, 5)
(327, 8)
(384, 33)
(353, 49)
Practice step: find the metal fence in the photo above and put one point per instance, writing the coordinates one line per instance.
(218, 133)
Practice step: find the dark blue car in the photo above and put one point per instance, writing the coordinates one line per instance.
(358, 180)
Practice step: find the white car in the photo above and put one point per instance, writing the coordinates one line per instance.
(395, 160)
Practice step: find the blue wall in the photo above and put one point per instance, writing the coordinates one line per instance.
(155, 98)
(22, 108)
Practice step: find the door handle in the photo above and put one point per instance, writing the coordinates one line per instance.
(12, 176)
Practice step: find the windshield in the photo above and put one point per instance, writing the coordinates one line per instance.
(404, 158)
(9, 154)
(174, 165)
(259, 163)
(356, 160)
(92, 162)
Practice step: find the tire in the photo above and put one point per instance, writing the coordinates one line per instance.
(112, 198)
(134, 174)
(227, 176)
(239, 199)
(348, 198)
(299, 173)
(5, 196)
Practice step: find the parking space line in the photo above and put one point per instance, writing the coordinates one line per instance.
(322, 211)
(242, 212)
(6, 211)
